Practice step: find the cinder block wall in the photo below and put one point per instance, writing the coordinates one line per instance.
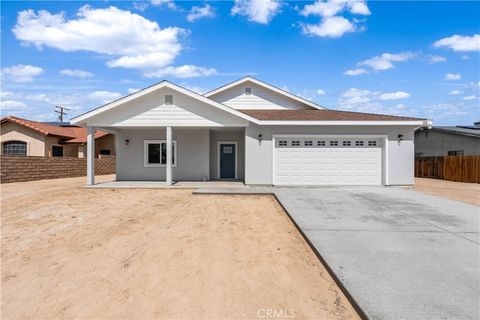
(18, 168)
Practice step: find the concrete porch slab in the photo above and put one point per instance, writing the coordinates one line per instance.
(224, 185)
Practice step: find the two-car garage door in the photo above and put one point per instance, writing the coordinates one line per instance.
(327, 161)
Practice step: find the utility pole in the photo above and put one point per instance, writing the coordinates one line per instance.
(61, 112)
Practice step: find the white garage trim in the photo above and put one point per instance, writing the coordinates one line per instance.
(383, 137)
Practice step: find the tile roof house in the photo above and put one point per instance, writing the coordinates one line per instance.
(251, 131)
(32, 138)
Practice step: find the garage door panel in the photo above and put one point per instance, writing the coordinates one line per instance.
(314, 161)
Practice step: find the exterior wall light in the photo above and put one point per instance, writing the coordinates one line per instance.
(400, 138)
(127, 141)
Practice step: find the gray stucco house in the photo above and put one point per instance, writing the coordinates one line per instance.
(252, 131)
(448, 141)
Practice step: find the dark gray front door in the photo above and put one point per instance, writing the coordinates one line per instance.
(227, 161)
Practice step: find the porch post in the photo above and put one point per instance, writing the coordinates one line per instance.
(169, 157)
(90, 156)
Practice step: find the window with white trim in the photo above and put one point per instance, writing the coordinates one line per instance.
(308, 143)
(346, 143)
(359, 143)
(372, 143)
(168, 99)
(155, 153)
(321, 143)
(334, 143)
(282, 143)
(295, 143)
(14, 148)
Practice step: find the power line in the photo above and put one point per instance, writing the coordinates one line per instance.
(61, 112)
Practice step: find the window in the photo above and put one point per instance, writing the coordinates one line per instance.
(248, 91)
(372, 143)
(359, 143)
(455, 153)
(333, 143)
(105, 151)
(295, 143)
(155, 153)
(347, 143)
(15, 148)
(321, 143)
(282, 143)
(168, 99)
(308, 143)
(57, 151)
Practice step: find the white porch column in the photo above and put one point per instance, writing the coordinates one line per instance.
(90, 156)
(168, 174)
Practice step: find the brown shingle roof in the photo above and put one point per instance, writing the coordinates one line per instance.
(71, 134)
(320, 115)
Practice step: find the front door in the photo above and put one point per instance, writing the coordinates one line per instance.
(227, 161)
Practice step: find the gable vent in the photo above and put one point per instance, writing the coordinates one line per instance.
(168, 99)
(248, 91)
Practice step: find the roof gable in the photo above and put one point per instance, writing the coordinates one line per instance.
(90, 117)
(232, 94)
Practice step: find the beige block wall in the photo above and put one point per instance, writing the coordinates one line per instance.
(35, 141)
(105, 142)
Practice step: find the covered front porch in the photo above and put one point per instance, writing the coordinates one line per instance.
(197, 155)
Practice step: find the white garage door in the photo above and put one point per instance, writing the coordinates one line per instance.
(329, 161)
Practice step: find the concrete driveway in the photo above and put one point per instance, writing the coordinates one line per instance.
(401, 254)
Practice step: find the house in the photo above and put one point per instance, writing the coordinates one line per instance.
(251, 131)
(31, 138)
(448, 141)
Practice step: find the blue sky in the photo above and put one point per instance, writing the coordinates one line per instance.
(403, 58)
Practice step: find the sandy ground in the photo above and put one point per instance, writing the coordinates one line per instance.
(98, 253)
(464, 192)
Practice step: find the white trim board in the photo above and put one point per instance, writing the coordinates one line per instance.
(219, 143)
(266, 86)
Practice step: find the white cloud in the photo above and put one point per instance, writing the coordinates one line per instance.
(22, 73)
(355, 72)
(132, 40)
(185, 71)
(76, 73)
(446, 110)
(261, 11)
(103, 96)
(394, 95)
(168, 3)
(132, 90)
(320, 92)
(331, 8)
(435, 59)
(465, 57)
(12, 105)
(330, 27)
(6, 94)
(469, 98)
(460, 43)
(452, 76)
(455, 92)
(386, 60)
(200, 12)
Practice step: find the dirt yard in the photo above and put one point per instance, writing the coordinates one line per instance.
(464, 192)
(69, 252)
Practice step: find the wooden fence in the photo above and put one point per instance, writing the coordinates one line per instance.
(452, 168)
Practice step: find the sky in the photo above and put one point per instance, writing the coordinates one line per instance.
(411, 58)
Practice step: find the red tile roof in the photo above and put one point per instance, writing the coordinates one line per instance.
(320, 115)
(72, 134)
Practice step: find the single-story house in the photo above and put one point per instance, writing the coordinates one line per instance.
(448, 141)
(251, 131)
(32, 138)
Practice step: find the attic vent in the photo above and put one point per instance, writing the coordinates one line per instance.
(168, 99)
(248, 91)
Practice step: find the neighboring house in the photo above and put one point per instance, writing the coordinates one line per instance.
(251, 131)
(448, 141)
(31, 138)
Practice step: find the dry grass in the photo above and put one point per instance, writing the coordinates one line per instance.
(93, 253)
